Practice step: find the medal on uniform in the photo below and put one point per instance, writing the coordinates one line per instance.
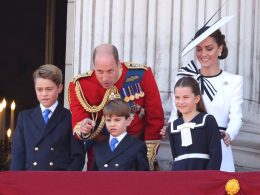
(126, 98)
(141, 91)
(131, 96)
(136, 94)
(137, 90)
(142, 113)
(135, 107)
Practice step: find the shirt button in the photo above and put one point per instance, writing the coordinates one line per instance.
(51, 164)
(36, 149)
(52, 149)
(105, 165)
(34, 163)
(116, 165)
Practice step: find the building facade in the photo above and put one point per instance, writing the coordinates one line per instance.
(154, 32)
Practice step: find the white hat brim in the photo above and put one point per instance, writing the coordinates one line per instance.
(221, 22)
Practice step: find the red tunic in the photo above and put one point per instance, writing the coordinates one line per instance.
(150, 124)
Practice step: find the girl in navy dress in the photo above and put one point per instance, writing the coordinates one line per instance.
(194, 137)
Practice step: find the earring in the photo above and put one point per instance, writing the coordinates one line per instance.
(219, 54)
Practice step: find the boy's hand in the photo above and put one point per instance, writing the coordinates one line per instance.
(86, 125)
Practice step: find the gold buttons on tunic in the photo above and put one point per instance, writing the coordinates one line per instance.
(52, 149)
(116, 165)
(34, 163)
(105, 165)
(51, 164)
(36, 149)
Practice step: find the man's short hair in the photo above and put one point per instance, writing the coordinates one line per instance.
(107, 49)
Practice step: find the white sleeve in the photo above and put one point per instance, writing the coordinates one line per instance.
(235, 110)
(174, 115)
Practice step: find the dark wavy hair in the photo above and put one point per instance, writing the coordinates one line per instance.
(218, 37)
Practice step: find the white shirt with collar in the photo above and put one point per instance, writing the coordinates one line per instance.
(52, 108)
(119, 138)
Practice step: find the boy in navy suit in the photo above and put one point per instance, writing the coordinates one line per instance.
(43, 137)
(120, 152)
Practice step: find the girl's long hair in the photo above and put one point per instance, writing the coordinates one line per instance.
(194, 85)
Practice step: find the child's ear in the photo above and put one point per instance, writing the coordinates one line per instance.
(129, 120)
(60, 87)
(197, 99)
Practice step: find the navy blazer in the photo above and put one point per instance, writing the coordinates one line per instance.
(129, 155)
(37, 146)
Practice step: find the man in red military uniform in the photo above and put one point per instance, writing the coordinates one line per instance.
(111, 79)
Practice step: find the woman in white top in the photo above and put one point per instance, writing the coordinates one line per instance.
(222, 91)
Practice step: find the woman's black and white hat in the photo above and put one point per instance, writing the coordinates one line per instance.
(204, 32)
